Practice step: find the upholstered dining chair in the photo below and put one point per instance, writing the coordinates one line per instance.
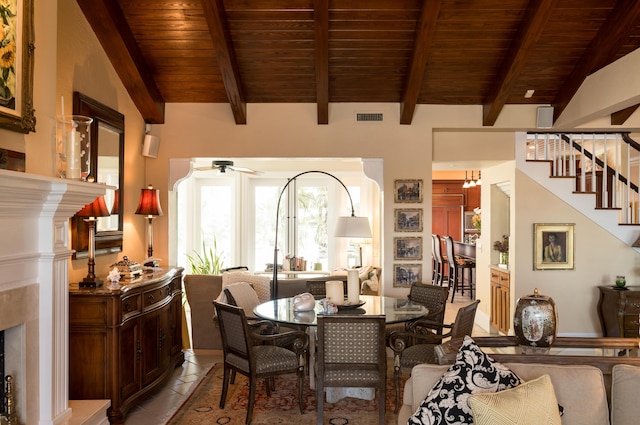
(257, 356)
(351, 352)
(418, 346)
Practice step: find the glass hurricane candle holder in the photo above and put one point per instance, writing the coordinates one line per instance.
(73, 147)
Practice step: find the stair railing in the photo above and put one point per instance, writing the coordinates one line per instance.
(604, 164)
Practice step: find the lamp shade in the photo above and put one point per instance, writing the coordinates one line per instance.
(353, 227)
(97, 208)
(115, 208)
(149, 202)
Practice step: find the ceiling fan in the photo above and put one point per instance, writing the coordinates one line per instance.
(223, 165)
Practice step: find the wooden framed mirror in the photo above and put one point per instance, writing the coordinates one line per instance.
(107, 167)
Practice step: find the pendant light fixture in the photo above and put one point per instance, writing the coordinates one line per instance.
(472, 183)
(479, 181)
(466, 181)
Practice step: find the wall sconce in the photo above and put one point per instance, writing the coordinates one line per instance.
(150, 206)
(347, 227)
(92, 211)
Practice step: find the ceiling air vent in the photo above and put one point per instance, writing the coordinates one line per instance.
(369, 117)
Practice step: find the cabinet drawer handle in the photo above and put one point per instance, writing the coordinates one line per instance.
(151, 297)
(635, 322)
(127, 306)
(636, 305)
(168, 290)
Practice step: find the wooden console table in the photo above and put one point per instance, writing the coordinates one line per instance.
(619, 310)
(124, 343)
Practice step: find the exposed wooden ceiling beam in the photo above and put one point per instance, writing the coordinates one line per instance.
(124, 53)
(534, 22)
(219, 29)
(426, 27)
(620, 117)
(321, 17)
(612, 35)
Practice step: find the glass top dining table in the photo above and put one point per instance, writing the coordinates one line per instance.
(395, 310)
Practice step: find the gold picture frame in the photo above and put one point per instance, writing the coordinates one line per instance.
(553, 246)
(406, 274)
(407, 248)
(408, 191)
(407, 219)
(16, 67)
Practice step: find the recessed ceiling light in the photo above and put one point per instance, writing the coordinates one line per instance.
(529, 94)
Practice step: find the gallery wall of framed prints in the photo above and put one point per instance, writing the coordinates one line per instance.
(407, 220)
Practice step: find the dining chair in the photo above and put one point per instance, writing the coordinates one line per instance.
(433, 297)
(257, 356)
(351, 352)
(418, 345)
(457, 266)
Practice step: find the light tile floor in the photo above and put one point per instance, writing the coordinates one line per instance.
(159, 408)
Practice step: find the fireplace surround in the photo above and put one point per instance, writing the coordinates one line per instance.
(34, 258)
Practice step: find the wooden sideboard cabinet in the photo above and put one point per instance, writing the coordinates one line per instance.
(500, 299)
(123, 344)
(619, 311)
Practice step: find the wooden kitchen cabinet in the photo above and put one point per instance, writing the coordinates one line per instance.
(500, 300)
(124, 344)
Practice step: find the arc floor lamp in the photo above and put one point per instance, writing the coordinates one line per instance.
(346, 226)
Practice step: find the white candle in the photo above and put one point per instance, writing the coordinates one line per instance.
(353, 286)
(335, 291)
(73, 155)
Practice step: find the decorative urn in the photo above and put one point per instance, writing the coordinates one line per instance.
(535, 322)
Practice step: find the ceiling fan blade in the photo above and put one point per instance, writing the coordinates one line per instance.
(244, 170)
(207, 168)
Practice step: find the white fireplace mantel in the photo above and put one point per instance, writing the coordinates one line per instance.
(34, 257)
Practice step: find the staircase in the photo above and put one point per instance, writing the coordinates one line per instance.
(596, 173)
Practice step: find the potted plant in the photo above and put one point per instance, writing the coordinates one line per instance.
(502, 246)
(202, 286)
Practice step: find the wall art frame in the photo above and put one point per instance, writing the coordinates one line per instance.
(407, 248)
(407, 219)
(553, 246)
(404, 275)
(408, 191)
(16, 67)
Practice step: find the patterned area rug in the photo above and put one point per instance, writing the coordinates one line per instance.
(202, 407)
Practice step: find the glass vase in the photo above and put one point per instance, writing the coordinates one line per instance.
(73, 147)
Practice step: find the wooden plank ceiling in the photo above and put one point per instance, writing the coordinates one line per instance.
(449, 52)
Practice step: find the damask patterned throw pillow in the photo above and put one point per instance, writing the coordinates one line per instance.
(473, 372)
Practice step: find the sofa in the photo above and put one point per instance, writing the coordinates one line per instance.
(579, 389)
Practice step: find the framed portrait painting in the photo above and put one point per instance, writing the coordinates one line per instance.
(16, 66)
(553, 246)
(408, 191)
(406, 274)
(407, 248)
(408, 220)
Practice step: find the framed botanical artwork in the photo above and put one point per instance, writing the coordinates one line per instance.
(406, 274)
(16, 66)
(553, 246)
(408, 220)
(408, 191)
(407, 248)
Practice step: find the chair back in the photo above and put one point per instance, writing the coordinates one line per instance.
(433, 297)
(464, 320)
(350, 343)
(317, 288)
(451, 258)
(436, 248)
(236, 340)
